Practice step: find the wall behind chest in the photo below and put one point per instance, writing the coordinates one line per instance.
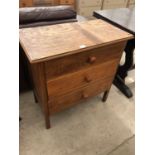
(86, 7)
(110, 4)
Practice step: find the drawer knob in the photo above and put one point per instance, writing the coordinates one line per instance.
(84, 95)
(92, 59)
(88, 78)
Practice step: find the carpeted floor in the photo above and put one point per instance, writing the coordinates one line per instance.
(89, 128)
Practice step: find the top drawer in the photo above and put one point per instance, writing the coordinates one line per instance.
(75, 62)
(84, 3)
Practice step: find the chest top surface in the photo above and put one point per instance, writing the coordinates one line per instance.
(49, 42)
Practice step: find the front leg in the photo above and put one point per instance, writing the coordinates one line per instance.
(47, 121)
(105, 96)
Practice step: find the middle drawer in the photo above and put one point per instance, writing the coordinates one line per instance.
(69, 82)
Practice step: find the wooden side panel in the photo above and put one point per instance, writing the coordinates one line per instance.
(40, 90)
(39, 81)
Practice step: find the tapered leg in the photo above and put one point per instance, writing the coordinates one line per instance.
(48, 125)
(105, 96)
(35, 98)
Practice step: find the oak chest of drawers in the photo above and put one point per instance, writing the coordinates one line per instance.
(72, 62)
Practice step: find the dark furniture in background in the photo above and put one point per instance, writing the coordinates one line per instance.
(123, 18)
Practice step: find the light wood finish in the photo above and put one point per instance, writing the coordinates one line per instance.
(40, 43)
(69, 82)
(40, 90)
(72, 62)
(65, 101)
(69, 64)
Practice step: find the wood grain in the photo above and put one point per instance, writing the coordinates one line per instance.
(40, 89)
(75, 62)
(70, 82)
(72, 62)
(65, 101)
(49, 42)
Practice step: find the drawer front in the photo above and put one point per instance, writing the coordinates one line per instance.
(83, 60)
(66, 1)
(85, 3)
(68, 83)
(88, 11)
(62, 102)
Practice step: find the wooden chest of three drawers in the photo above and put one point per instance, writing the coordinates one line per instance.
(72, 62)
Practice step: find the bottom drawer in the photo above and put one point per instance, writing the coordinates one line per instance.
(62, 102)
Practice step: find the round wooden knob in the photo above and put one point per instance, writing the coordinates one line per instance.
(92, 59)
(85, 95)
(88, 78)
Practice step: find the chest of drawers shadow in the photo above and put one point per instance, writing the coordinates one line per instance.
(72, 62)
